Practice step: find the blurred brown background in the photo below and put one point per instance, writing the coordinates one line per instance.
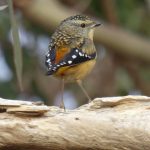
(122, 42)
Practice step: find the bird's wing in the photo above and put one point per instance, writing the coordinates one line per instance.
(50, 57)
(54, 56)
(58, 59)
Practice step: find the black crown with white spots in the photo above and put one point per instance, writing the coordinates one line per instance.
(78, 17)
(76, 56)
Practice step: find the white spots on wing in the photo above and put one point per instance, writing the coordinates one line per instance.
(77, 55)
(69, 62)
(48, 55)
(80, 54)
(74, 56)
(48, 60)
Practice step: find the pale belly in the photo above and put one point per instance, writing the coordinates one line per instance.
(78, 72)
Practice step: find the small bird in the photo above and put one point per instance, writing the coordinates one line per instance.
(72, 54)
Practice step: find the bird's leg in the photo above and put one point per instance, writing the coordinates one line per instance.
(62, 105)
(83, 89)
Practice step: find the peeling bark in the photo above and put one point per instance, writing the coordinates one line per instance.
(106, 123)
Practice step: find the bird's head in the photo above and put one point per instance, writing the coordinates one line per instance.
(79, 26)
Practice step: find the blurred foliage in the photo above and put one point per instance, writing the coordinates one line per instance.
(132, 15)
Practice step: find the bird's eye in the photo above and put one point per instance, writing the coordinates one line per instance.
(83, 25)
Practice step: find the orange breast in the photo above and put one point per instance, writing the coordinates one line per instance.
(78, 72)
(60, 53)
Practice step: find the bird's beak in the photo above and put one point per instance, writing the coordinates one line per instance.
(97, 25)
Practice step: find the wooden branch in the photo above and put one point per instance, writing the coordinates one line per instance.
(106, 123)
